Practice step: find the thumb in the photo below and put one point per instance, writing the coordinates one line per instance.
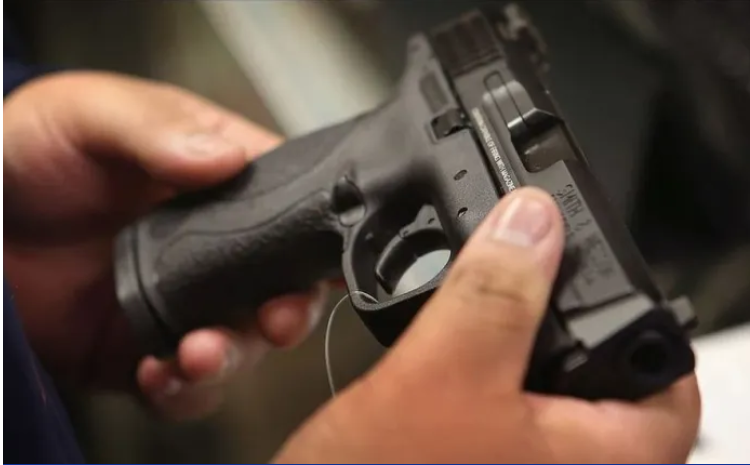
(481, 324)
(175, 136)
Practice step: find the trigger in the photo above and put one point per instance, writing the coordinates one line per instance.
(394, 260)
(415, 240)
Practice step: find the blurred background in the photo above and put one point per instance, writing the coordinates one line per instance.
(657, 93)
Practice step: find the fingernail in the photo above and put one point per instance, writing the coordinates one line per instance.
(231, 361)
(173, 387)
(206, 145)
(229, 365)
(525, 222)
(317, 307)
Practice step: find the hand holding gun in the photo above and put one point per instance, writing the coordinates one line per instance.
(470, 122)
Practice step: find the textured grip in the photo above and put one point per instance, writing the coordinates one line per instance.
(215, 256)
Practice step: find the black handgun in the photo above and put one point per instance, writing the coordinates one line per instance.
(470, 121)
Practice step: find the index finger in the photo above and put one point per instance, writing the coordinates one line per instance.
(669, 420)
(660, 429)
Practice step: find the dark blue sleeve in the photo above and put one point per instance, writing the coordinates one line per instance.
(36, 428)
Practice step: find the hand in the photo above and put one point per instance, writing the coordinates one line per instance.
(450, 391)
(85, 154)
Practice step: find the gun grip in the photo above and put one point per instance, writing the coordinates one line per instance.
(213, 257)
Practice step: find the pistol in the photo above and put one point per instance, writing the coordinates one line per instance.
(471, 119)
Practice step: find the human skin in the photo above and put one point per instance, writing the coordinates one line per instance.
(77, 167)
(84, 155)
(451, 389)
